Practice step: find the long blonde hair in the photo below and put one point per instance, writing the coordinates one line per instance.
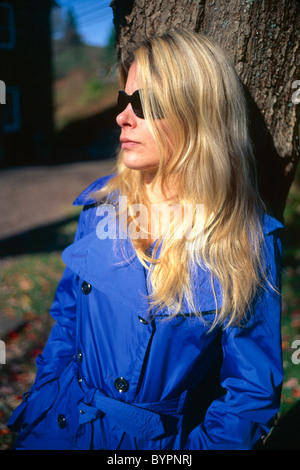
(189, 80)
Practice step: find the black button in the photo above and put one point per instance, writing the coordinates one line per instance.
(24, 425)
(86, 288)
(62, 422)
(79, 356)
(142, 320)
(121, 384)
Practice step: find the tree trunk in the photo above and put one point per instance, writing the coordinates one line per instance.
(261, 37)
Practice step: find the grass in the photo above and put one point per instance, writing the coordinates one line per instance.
(291, 299)
(28, 283)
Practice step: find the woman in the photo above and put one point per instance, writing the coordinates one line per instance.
(167, 332)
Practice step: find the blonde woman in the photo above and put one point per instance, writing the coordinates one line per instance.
(167, 332)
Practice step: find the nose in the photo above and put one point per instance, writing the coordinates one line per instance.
(127, 117)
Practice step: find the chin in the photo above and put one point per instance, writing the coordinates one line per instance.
(135, 163)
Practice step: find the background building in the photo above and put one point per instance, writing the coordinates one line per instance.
(26, 119)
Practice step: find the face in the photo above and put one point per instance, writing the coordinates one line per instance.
(139, 147)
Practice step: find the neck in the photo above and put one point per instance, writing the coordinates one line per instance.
(158, 217)
(154, 192)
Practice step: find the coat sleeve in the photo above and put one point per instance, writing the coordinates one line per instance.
(251, 372)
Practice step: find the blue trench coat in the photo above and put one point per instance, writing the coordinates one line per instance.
(111, 378)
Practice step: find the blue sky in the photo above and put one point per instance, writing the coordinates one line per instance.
(94, 19)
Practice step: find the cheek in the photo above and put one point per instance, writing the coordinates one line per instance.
(150, 145)
(166, 141)
(153, 151)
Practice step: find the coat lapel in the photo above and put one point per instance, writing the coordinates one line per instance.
(109, 265)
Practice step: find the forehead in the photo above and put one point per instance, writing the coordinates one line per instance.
(132, 79)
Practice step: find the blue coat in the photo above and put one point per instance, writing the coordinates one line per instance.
(111, 378)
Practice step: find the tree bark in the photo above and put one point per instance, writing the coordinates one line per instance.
(261, 37)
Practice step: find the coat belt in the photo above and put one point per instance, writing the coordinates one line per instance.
(143, 420)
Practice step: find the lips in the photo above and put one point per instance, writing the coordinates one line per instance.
(127, 143)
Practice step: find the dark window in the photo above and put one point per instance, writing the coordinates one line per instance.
(7, 26)
(11, 111)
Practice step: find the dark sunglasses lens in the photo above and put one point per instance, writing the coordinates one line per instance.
(122, 101)
(137, 105)
(134, 100)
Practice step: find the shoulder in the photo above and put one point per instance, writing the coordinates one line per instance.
(87, 219)
(272, 238)
(85, 198)
(272, 248)
(270, 225)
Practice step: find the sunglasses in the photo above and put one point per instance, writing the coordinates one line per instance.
(135, 101)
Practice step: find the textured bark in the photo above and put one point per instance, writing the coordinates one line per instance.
(261, 37)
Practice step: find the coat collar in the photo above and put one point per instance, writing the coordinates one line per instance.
(86, 197)
(112, 267)
(270, 224)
